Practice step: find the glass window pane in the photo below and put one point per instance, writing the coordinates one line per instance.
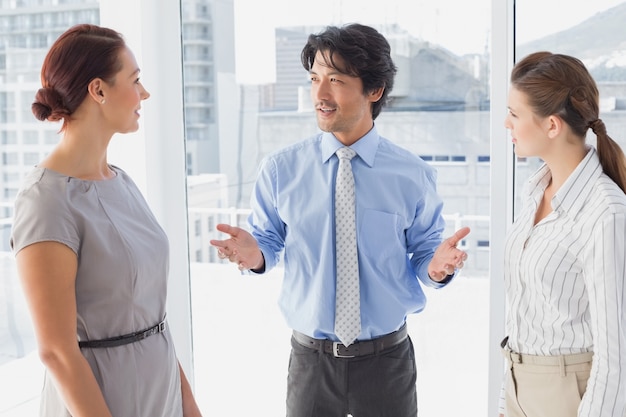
(591, 31)
(440, 111)
(594, 33)
(246, 95)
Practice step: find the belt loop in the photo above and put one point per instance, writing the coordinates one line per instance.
(562, 365)
(506, 352)
(508, 355)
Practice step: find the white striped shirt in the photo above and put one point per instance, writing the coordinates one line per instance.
(565, 280)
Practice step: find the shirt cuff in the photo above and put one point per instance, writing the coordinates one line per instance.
(444, 281)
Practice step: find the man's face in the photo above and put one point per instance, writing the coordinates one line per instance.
(341, 106)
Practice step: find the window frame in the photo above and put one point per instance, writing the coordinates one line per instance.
(502, 182)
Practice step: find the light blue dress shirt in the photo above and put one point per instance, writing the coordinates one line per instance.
(399, 226)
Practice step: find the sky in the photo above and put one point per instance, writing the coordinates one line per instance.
(461, 26)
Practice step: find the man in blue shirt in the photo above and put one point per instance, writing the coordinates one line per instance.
(398, 237)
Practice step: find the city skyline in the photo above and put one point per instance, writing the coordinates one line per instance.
(437, 22)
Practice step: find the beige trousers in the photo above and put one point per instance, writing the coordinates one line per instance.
(545, 386)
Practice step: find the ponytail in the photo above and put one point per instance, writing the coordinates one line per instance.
(610, 154)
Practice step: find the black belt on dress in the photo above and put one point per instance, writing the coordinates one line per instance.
(358, 348)
(125, 339)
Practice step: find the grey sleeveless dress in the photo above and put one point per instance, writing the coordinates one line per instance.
(123, 260)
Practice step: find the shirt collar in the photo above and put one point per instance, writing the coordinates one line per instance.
(580, 182)
(365, 147)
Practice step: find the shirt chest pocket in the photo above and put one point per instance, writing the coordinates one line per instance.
(379, 234)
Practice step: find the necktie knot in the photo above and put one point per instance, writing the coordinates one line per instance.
(345, 153)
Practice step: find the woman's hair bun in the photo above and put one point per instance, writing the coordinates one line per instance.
(48, 105)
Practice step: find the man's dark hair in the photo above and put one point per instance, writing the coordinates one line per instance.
(365, 52)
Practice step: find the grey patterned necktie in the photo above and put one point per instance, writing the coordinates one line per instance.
(347, 302)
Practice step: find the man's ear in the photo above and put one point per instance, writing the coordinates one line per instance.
(375, 95)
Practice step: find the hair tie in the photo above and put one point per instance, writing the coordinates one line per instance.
(598, 127)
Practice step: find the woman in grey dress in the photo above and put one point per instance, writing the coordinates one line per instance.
(92, 258)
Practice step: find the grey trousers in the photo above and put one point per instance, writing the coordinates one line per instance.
(377, 385)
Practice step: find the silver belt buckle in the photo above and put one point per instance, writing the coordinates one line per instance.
(336, 353)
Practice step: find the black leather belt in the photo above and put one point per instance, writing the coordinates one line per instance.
(365, 347)
(125, 339)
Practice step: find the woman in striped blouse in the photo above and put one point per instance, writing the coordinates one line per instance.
(565, 255)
